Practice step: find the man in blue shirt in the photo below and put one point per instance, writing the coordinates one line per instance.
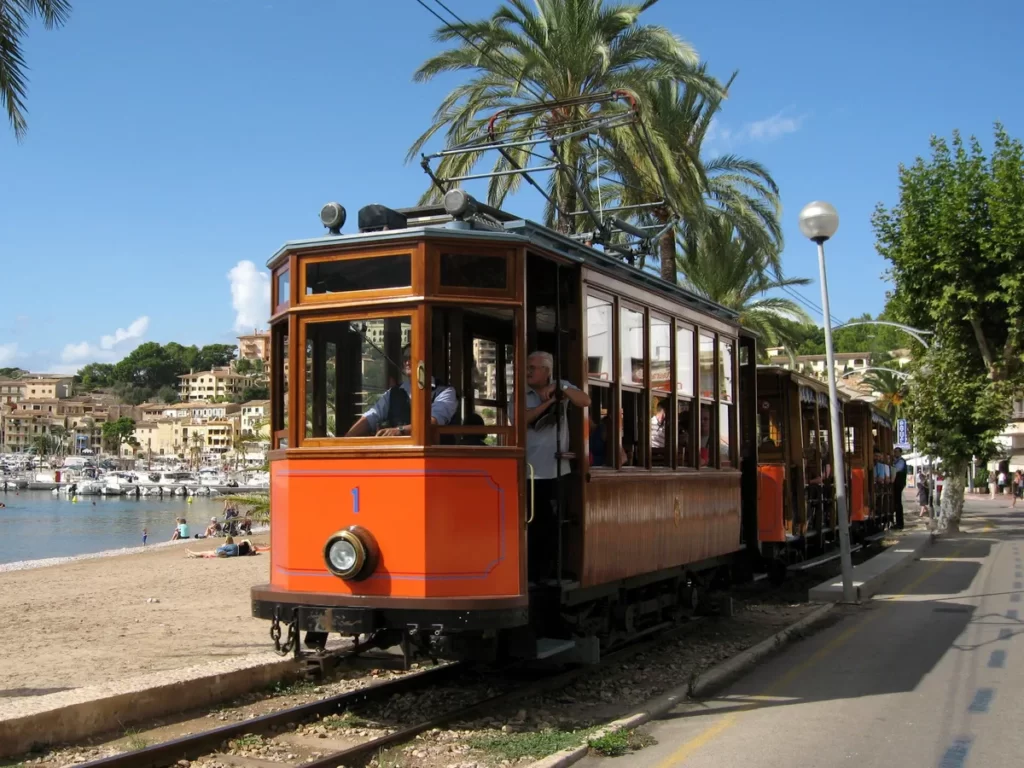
(391, 414)
(899, 482)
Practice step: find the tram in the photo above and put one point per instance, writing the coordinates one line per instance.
(415, 529)
(869, 450)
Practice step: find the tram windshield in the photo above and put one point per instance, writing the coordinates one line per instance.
(358, 377)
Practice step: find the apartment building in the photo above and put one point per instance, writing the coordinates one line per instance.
(210, 385)
(255, 346)
(255, 419)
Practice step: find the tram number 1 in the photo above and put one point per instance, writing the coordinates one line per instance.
(355, 500)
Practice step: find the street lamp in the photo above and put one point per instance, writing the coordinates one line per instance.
(818, 222)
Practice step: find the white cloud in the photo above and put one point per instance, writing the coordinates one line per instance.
(134, 331)
(250, 295)
(721, 137)
(772, 127)
(7, 352)
(107, 350)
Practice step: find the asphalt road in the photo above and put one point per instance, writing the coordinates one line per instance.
(929, 673)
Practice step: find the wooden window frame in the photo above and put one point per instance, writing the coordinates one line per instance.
(511, 255)
(734, 427)
(611, 383)
(654, 393)
(413, 250)
(415, 440)
(643, 390)
(511, 431)
(278, 302)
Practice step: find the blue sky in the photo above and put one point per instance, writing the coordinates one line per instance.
(170, 143)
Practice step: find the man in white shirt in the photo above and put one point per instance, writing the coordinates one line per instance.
(543, 396)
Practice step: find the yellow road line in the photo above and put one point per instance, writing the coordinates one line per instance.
(727, 721)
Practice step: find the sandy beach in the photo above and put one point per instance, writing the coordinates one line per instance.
(91, 621)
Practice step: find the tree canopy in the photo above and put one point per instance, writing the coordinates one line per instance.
(152, 369)
(955, 241)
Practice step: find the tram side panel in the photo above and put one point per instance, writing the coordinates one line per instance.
(634, 525)
(443, 528)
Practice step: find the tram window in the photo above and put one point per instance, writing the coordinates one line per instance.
(467, 270)
(631, 345)
(725, 377)
(371, 273)
(706, 428)
(358, 377)
(684, 361)
(633, 428)
(770, 427)
(684, 432)
(707, 366)
(661, 429)
(854, 440)
(601, 427)
(279, 384)
(599, 338)
(284, 287)
(725, 440)
(473, 351)
(661, 354)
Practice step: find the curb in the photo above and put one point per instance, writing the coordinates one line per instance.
(832, 591)
(82, 713)
(705, 682)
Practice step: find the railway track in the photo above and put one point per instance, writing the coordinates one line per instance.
(211, 742)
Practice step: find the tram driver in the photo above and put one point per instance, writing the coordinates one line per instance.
(391, 415)
(541, 444)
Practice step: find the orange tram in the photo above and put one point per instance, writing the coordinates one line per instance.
(402, 486)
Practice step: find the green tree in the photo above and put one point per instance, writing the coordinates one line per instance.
(546, 51)
(12, 373)
(149, 366)
(956, 244)
(14, 20)
(118, 432)
(700, 190)
(94, 376)
(738, 274)
(60, 437)
(216, 356)
(889, 388)
(168, 394)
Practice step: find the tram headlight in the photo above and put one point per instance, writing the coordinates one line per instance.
(333, 217)
(349, 554)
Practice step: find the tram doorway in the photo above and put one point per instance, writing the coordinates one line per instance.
(553, 325)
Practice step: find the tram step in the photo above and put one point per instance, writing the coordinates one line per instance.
(551, 646)
(759, 577)
(821, 559)
(875, 536)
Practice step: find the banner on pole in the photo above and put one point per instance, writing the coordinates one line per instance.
(902, 434)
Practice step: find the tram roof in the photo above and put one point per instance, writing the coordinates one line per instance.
(433, 222)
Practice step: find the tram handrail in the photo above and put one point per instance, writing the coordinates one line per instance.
(529, 468)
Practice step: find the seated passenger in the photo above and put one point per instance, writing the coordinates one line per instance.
(474, 420)
(391, 415)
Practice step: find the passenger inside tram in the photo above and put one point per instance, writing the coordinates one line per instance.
(391, 414)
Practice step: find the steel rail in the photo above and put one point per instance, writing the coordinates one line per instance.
(199, 744)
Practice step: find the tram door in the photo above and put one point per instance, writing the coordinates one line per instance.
(553, 325)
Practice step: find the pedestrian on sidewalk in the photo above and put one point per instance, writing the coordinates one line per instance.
(923, 493)
(992, 485)
(899, 482)
(1002, 482)
(1018, 486)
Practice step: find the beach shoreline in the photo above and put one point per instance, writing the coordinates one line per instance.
(47, 562)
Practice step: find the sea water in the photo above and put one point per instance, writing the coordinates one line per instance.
(35, 525)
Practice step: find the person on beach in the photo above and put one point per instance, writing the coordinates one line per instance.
(145, 535)
(230, 549)
(181, 531)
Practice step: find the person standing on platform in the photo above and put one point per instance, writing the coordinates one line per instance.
(899, 482)
(543, 397)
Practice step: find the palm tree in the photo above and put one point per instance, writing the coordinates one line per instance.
(60, 436)
(699, 188)
(551, 50)
(890, 389)
(724, 267)
(14, 20)
(196, 450)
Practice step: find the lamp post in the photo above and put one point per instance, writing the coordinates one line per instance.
(818, 222)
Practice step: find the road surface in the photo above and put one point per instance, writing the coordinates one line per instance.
(928, 673)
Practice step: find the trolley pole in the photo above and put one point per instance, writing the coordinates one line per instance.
(818, 222)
